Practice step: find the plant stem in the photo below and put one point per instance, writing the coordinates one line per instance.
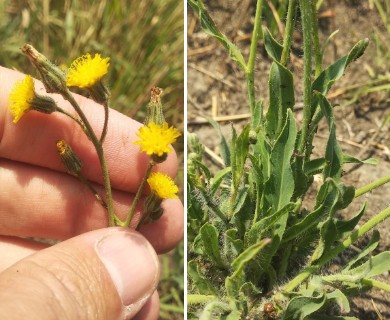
(307, 26)
(289, 32)
(376, 284)
(250, 68)
(104, 131)
(316, 40)
(93, 190)
(372, 186)
(370, 224)
(100, 153)
(80, 123)
(138, 194)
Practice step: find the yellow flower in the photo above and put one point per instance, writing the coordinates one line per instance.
(85, 71)
(163, 186)
(155, 139)
(21, 96)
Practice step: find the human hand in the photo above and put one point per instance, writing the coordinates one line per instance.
(93, 274)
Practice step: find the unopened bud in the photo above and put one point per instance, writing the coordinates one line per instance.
(71, 162)
(53, 77)
(155, 110)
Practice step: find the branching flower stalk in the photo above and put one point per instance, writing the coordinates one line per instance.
(86, 73)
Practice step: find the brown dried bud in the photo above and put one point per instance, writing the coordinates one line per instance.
(71, 162)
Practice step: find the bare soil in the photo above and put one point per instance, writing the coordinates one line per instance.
(216, 88)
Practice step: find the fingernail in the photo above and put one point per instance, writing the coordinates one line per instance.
(132, 264)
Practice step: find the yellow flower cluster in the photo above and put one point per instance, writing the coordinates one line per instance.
(155, 139)
(86, 71)
(163, 186)
(21, 97)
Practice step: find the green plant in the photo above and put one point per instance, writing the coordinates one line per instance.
(254, 251)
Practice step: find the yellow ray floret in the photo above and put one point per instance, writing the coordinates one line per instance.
(21, 97)
(155, 139)
(163, 186)
(85, 71)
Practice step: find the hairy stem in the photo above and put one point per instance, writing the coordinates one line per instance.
(100, 153)
(307, 26)
(250, 69)
(316, 40)
(105, 126)
(138, 194)
(372, 186)
(289, 32)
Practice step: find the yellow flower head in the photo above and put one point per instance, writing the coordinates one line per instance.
(163, 186)
(21, 97)
(155, 139)
(85, 71)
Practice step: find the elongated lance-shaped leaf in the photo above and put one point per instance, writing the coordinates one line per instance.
(239, 151)
(209, 26)
(327, 78)
(203, 285)
(260, 227)
(280, 186)
(376, 265)
(218, 178)
(345, 227)
(273, 48)
(281, 98)
(300, 307)
(223, 145)
(234, 282)
(281, 88)
(249, 253)
(333, 154)
(371, 246)
(210, 235)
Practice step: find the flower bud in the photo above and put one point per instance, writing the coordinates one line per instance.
(72, 162)
(155, 110)
(53, 77)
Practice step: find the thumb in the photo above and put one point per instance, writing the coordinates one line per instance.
(103, 274)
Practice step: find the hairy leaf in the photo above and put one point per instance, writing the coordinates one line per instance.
(209, 234)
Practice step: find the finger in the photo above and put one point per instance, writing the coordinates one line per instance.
(33, 139)
(150, 311)
(13, 249)
(37, 202)
(108, 273)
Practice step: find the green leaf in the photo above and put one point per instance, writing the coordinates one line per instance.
(300, 307)
(248, 254)
(210, 28)
(333, 154)
(242, 195)
(280, 186)
(345, 227)
(235, 243)
(223, 145)
(239, 152)
(350, 159)
(326, 79)
(273, 48)
(218, 178)
(377, 265)
(204, 286)
(314, 166)
(281, 93)
(210, 235)
(371, 246)
(258, 229)
(213, 310)
(199, 298)
(340, 299)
